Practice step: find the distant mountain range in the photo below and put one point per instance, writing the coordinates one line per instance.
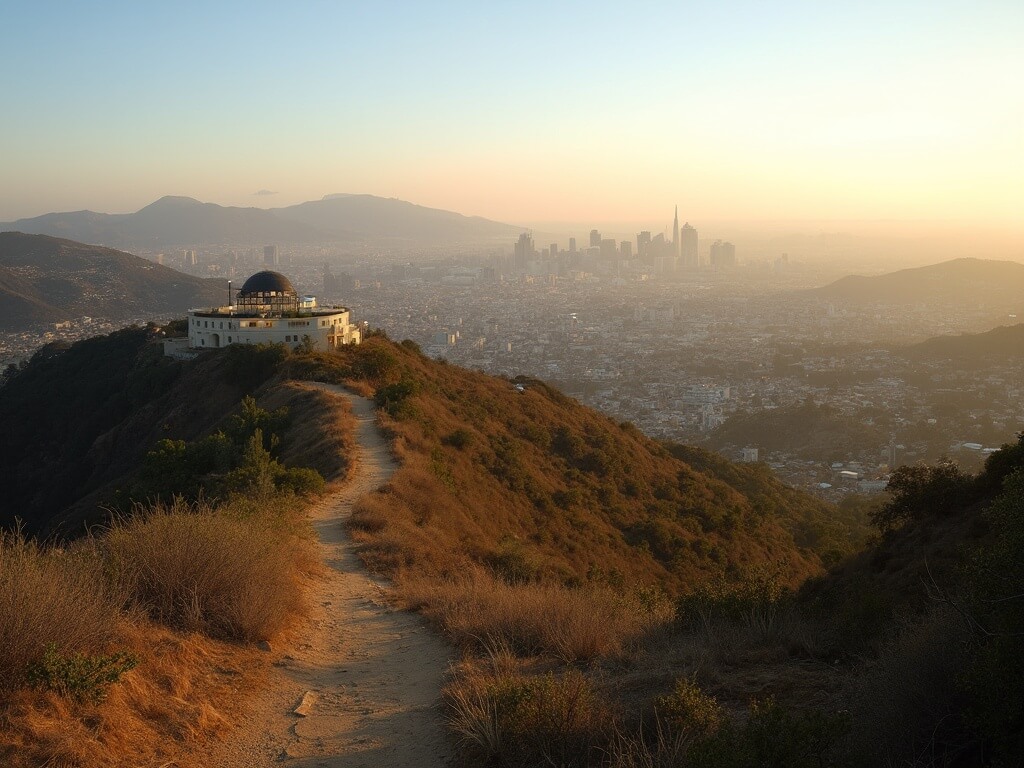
(46, 280)
(978, 283)
(182, 222)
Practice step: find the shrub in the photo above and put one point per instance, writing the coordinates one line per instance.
(922, 491)
(393, 398)
(460, 438)
(196, 569)
(690, 711)
(49, 598)
(79, 676)
(531, 720)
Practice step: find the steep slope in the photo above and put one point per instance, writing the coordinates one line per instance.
(971, 283)
(44, 280)
(532, 485)
(78, 421)
(377, 217)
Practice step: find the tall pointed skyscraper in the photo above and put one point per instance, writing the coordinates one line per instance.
(675, 234)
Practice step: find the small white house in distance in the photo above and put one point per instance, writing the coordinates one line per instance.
(268, 310)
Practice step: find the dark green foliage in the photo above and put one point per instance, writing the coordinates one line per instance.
(238, 461)
(79, 676)
(995, 579)
(57, 406)
(1002, 464)
(393, 398)
(249, 365)
(921, 491)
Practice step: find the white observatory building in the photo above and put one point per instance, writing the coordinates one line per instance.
(268, 310)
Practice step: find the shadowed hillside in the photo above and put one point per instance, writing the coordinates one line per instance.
(79, 422)
(45, 280)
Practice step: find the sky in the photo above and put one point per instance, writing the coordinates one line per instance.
(522, 111)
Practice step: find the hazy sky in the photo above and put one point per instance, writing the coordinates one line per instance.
(584, 111)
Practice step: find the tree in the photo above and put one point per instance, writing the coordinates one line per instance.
(922, 491)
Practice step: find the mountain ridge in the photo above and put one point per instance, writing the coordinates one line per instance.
(175, 220)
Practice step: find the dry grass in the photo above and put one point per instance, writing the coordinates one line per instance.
(197, 569)
(50, 597)
(504, 717)
(186, 690)
(537, 619)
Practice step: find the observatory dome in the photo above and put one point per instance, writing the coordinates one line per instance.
(267, 283)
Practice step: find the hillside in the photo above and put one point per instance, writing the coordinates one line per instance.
(185, 222)
(78, 422)
(492, 475)
(528, 483)
(45, 280)
(998, 345)
(974, 283)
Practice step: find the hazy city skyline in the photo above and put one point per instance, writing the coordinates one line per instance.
(523, 112)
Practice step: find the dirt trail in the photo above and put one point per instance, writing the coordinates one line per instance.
(375, 673)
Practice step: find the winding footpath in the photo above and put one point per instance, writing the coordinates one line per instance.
(368, 677)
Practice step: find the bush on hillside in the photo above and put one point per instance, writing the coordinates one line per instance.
(922, 491)
(194, 568)
(50, 598)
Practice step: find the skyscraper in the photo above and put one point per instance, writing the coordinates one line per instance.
(270, 256)
(523, 253)
(595, 238)
(643, 240)
(688, 251)
(675, 234)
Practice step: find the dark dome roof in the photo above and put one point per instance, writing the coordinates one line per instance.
(267, 282)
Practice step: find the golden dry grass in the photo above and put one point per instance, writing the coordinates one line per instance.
(569, 624)
(50, 597)
(186, 689)
(199, 569)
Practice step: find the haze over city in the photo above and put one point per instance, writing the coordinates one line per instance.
(527, 113)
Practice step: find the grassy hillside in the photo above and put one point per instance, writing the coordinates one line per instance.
(136, 642)
(527, 483)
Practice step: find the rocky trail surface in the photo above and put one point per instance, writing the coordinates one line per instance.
(366, 677)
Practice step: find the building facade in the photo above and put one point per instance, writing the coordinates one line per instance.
(268, 310)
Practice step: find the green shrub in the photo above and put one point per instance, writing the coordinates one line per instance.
(79, 676)
(690, 711)
(393, 398)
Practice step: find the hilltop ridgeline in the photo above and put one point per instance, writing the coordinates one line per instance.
(47, 280)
